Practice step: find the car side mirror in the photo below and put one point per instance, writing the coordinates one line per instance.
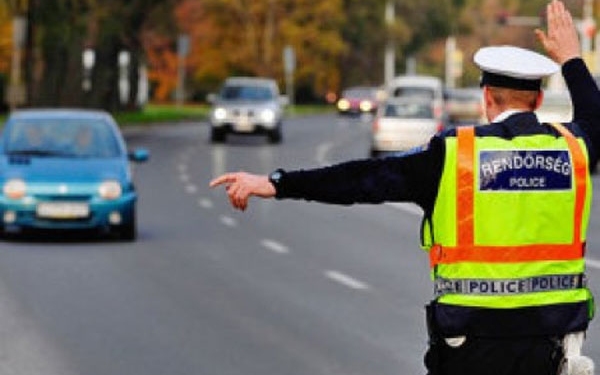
(139, 155)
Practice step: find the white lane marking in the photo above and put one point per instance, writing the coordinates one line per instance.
(205, 203)
(275, 246)
(322, 151)
(182, 168)
(407, 207)
(592, 263)
(191, 189)
(228, 220)
(346, 280)
(184, 177)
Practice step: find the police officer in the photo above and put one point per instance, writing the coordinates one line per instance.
(506, 208)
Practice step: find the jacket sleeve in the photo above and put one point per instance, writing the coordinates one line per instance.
(408, 177)
(586, 103)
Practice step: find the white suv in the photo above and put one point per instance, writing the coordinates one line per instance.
(247, 105)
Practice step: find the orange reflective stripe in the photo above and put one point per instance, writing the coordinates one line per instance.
(580, 168)
(467, 251)
(464, 185)
(503, 254)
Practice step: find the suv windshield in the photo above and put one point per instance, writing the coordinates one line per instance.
(409, 110)
(253, 93)
(417, 92)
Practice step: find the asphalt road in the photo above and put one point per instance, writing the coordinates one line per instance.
(284, 288)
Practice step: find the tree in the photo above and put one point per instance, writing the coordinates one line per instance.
(5, 38)
(243, 37)
(59, 30)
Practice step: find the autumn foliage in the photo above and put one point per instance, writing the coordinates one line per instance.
(337, 43)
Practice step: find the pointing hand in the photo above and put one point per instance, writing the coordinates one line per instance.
(240, 186)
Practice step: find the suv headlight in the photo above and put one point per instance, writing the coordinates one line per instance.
(267, 115)
(14, 188)
(220, 114)
(110, 190)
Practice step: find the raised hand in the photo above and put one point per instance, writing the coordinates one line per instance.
(561, 41)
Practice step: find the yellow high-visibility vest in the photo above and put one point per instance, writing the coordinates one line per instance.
(509, 223)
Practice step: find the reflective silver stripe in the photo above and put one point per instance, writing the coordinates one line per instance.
(509, 286)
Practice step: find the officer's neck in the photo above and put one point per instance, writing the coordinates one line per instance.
(506, 114)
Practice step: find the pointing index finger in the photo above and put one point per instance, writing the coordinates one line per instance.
(223, 179)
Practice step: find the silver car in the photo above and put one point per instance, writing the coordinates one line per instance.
(247, 105)
(404, 123)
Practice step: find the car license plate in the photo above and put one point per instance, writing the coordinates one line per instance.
(63, 210)
(244, 125)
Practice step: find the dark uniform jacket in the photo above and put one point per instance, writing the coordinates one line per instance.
(414, 177)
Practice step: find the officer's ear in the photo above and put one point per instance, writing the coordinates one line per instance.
(539, 99)
(489, 104)
(488, 97)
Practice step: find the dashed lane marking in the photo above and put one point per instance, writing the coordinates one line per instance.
(592, 263)
(407, 207)
(191, 189)
(205, 203)
(322, 151)
(275, 246)
(346, 280)
(228, 220)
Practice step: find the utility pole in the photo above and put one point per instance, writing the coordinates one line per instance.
(450, 67)
(390, 54)
(183, 49)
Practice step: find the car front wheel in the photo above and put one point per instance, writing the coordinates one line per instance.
(217, 135)
(128, 230)
(275, 135)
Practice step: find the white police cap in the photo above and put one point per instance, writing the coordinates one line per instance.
(513, 67)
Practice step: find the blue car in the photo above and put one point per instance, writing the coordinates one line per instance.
(67, 169)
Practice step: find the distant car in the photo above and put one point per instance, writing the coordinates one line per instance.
(424, 87)
(357, 100)
(247, 105)
(67, 170)
(402, 124)
(464, 105)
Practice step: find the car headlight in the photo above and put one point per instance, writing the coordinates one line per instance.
(366, 106)
(343, 105)
(220, 114)
(15, 188)
(267, 115)
(110, 190)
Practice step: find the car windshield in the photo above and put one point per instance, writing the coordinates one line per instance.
(242, 92)
(409, 110)
(416, 92)
(359, 93)
(88, 138)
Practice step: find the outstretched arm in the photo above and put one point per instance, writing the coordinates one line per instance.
(240, 186)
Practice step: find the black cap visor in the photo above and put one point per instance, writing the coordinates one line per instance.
(498, 80)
